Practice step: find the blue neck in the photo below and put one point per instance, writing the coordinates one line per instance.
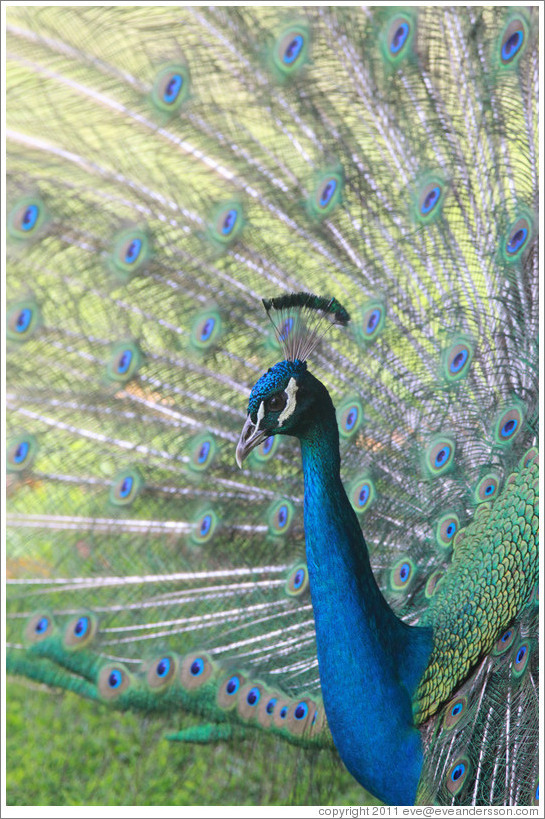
(370, 662)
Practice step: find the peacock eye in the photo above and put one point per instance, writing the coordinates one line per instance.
(277, 402)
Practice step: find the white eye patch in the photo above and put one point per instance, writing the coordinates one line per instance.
(288, 410)
(260, 414)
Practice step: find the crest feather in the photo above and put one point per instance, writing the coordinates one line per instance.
(301, 320)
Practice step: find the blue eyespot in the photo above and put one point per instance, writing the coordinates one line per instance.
(363, 497)
(173, 88)
(293, 50)
(520, 655)
(163, 667)
(506, 636)
(299, 579)
(404, 572)
(270, 706)
(232, 686)
(133, 251)
(30, 217)
(21, 452)
(203, 452)
(126, 487)
(399, 38)
(282, 516)
(458, 361)
(207, 329)
(197, 667)
(451, 530)
(267, 445)
(205, 525)
(430, 200)
(508, 428)
(284, 712)
(81, 627)
(253, 697)
(124, 362)
(42, 625)
(517, 240)
(372, 321)
(512, 46)
(300, 711)
(115, 679)
(23, 320)
(458, 772)
(442, 456)
(457, 709)
(229, 222)
(327, 192)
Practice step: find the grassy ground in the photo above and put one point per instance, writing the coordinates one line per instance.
(62, 750)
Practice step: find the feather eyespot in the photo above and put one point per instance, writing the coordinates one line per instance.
(291, 50)
(80, 631)
(487, 488)
(124, 362)
(457, 360)
(326, 195)
(113, 680)
(505, 641)
(397, 37)
(23, 319)
(130, 253)
(39, 627)
(162, 672)
(229, 690)
(20, 453)
(269, 708)
(280, 517)
(521, 658)
(206, 330)
(432, 583)
(402, 575)
(517, 239)
(439, 456)
(457, 776)
(362, 495)
(204, 527)
(508, 425)
(171, 88)
(454, 712)
(226, 224)
(513, 41)
(446, 529)
(350, 416)
(373, 316)
(195, 670)
(126, 487)
(202, 451)
(297, 581)
(26, 218)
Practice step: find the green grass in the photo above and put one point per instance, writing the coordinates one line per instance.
(63, 751)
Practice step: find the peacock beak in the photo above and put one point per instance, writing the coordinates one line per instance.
(250, 437)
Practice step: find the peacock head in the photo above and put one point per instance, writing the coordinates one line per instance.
(287, 398)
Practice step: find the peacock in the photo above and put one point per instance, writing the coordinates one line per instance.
(228, 227)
